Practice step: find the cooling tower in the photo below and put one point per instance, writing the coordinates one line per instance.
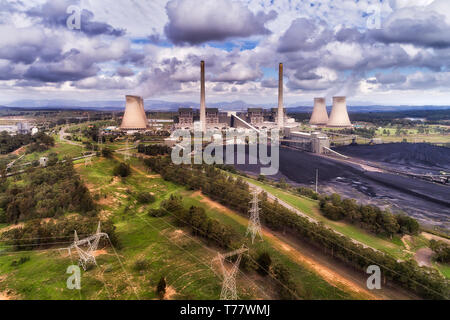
(280, 121)
(339, 116)
(202, 96)
(134, 117)
(319, 115)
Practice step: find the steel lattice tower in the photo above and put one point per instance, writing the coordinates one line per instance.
(254, 226)
(127, 155)
(100, 140)
(229, 291)
(87, 257)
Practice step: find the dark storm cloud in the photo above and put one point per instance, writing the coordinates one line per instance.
(420, 28)
(195, 22)
(306, 35)
(53, 13)
(59, 72)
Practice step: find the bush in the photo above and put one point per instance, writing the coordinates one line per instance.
(264, 262)
(141, 265)
(122, 169)
(156, 213)
(145, 197)
(161, 287)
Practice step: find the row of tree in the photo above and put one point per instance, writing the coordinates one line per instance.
(154, 149)
(234, 194)
(39, 233)
(367, 217)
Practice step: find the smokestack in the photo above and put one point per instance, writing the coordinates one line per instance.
(319, 115)
(339, 115)
(280, 97)
(202, 96)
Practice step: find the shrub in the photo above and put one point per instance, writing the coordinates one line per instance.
(141, 265)
(156, 213)
(145, 197)
(122, 169)
(161, 287)
(264, 262)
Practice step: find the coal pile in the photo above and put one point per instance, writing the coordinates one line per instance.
(409, 155)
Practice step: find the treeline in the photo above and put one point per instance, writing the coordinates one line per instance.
(39, 142)
(201, 225)
(154, 149)
(45, 193)
(38, 233)
(234, 194)
(368, 217)
(441, 251)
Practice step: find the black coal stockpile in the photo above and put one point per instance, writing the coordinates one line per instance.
(408, 154)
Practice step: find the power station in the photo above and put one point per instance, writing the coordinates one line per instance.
(204, 118)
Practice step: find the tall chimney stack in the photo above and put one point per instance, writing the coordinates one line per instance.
(280, 98)
(202, 96)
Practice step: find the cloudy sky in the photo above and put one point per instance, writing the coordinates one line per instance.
(389, 52)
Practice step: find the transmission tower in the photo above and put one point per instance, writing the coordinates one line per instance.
(127, 154)
(254, 225)
(100, 140)
(229, 291)
(87, 160)
(86, 256)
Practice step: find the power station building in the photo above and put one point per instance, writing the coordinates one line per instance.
(211, 118)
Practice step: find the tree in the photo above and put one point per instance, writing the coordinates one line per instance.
(264, 262)
(161, 287)
(122, 169)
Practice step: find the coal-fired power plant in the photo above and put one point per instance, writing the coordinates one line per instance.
(339, 115)
(134, 117)
(319, 115)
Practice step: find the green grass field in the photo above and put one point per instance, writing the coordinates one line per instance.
(164, 249)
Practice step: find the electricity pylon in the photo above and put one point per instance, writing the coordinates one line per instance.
(100, 140)
(86, 256)
(126, 155)
(229, 291)
(88, 159)
(254, 225)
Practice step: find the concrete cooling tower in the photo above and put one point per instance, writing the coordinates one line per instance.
(319, 115)
(339, 116)
(134, 117)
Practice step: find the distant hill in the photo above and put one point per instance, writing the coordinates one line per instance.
(117, 105)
